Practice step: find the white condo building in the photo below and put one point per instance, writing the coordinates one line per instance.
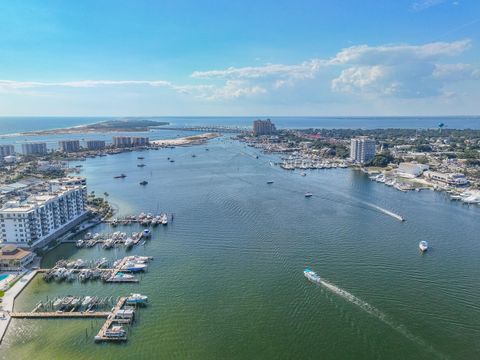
(6, 150)
(362, 149)
(43, 216)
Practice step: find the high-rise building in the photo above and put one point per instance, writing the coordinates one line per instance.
(6, 150)
(362, 149)
(140, 141)
(37, 148)
(263, 127)
(69, 145)
(122, 141)
(95, 144)
(42, 217)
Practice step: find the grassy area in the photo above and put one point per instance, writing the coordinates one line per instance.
(2, 293)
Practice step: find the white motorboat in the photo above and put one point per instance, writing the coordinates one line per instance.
(423, 245)
(312, 276)
(137, 299)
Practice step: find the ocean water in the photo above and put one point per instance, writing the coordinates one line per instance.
(227, 278)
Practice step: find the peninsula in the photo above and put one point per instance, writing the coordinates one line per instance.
(123, 125)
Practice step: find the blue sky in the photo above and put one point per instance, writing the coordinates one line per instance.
(318, 58)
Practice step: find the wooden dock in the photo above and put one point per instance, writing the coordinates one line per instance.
(110, 320)
(59, 315)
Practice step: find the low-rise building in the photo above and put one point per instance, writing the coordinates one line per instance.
(455, 179)
(13, 258)
(411, 170)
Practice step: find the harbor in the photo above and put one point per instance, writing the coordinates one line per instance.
(68, 307)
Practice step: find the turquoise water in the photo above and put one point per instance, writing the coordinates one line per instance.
(3, 276)
(227, 279)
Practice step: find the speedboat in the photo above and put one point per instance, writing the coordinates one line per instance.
(137, 299)
(303, 174)
(269, 182)
(144, 182)
(308, 194)
(423, 245)
(121, 176)
(79, 243)
(312, 276)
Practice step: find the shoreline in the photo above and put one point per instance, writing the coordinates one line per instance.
(188, 140)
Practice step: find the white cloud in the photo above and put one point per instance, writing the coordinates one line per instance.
(394, 71)
(400, 70)
(305, 70)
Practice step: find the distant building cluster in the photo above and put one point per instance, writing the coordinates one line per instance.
(36, 148)
(362, 149)
(43, 212)
(130, 141)
(69, 145)
(263, 127)
(95, 144)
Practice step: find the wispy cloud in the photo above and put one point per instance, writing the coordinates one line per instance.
(425, 4)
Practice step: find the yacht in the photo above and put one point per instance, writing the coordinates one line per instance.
(423, 245)
(134, 267)
(137, 299)
(129, 242)
(312, 276)
(308, 194)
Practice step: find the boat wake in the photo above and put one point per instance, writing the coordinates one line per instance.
(385, 211)
(380, 316)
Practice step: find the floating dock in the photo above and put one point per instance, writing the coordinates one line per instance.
(101, 336)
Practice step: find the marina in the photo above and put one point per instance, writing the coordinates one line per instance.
(120, 272)
(117, 318)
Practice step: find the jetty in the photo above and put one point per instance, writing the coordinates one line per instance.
(59, 315)
(112, 318)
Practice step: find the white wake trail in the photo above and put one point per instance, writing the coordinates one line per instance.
(379, 315)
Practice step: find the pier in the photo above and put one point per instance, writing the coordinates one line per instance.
(59, 315)
(102, 334)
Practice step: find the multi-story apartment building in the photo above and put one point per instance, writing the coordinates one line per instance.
(69, 145)
(37, 148)
(263, 127)
(43, 216)
(362, 149)
(140, 141)
(122, 141)
(95, 144)
(6, 150)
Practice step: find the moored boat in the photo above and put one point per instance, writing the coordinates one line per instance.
(423, 245)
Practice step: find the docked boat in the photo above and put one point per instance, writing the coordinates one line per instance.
(312, 276)
(108, 244)
(115, 332)
(423, 245)
(79, 243)
(147, 233)
(88, 236)
(308, 194)
(137, 299)
(129, 242)
(164, 219)
(134, 267)
(121, 176)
